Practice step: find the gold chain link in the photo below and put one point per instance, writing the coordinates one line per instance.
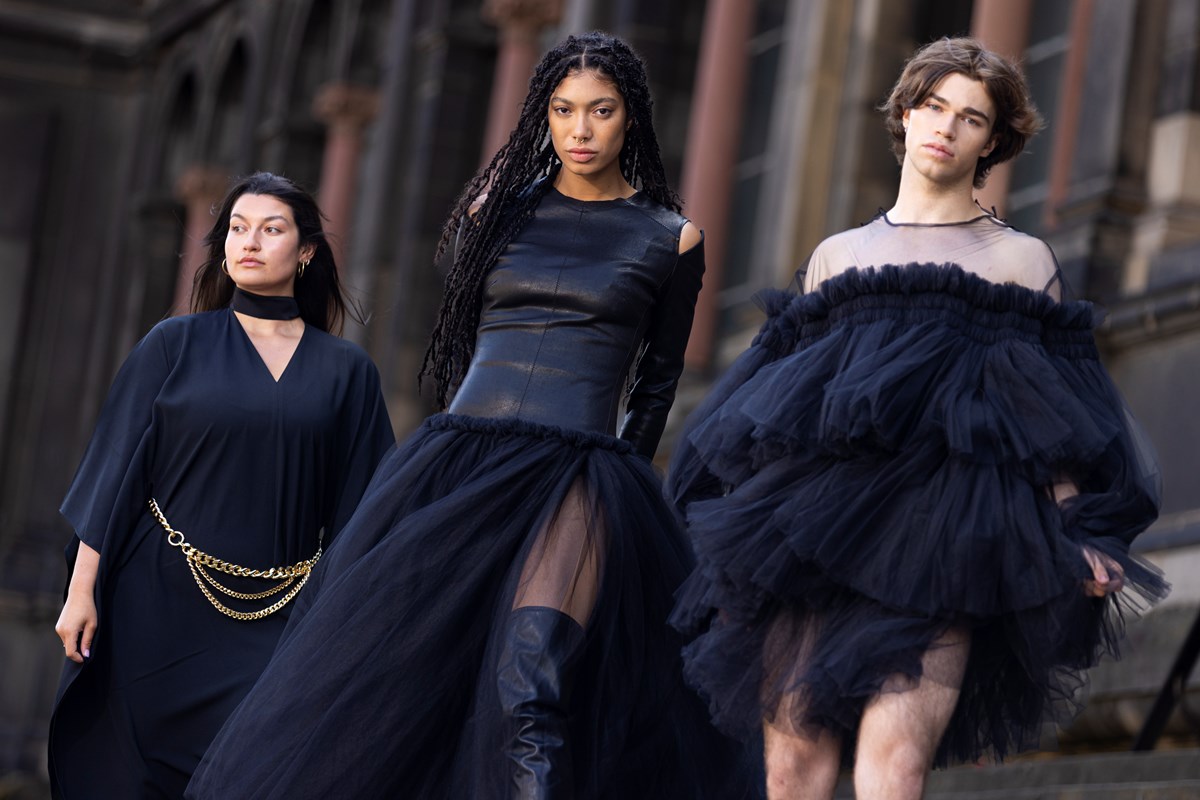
(198, 560)
(225, 590)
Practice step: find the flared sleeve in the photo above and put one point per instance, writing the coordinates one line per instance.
(111, 485)
(691, 475)
(367, 435)
(1118, 477)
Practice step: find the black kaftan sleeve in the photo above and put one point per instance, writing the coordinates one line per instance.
(112, 482)
(661, 364)
(367, 435)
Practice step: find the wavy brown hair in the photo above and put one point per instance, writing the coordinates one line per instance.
(323, 302)
(1017, 118)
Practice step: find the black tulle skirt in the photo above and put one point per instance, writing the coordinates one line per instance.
(384, 683)
(873, 474)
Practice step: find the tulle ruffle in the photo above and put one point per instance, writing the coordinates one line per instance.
(874, 471)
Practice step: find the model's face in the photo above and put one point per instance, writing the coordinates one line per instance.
(951, 130)
(587, 124)
(262, 247)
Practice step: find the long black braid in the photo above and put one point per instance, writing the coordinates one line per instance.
(510, 181)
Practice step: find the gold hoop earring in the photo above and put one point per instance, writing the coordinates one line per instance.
(300, 272)
(224, 266)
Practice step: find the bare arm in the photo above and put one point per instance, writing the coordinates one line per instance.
(77, 623)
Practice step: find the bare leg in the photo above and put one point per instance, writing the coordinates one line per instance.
(900, 731)
(798, 766)
(801, 764)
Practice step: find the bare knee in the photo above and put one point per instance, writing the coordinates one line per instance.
(908, 759)
(895, 767)
(800, 767)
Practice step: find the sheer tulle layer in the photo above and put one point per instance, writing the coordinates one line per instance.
(384, 683)
(874, 470)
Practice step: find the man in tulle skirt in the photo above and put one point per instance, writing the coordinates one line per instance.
(912, 498)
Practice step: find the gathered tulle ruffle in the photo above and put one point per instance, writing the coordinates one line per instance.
(882, 455)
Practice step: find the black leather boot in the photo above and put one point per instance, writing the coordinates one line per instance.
(534, 676)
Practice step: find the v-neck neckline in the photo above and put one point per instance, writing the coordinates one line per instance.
(258, 355)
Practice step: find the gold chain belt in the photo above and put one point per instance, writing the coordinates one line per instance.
(198, 560)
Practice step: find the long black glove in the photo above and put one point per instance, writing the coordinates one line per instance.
(661, 364)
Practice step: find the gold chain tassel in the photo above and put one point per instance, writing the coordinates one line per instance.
(198, 560)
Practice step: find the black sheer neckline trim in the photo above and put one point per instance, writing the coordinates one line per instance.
(985, 215)
(263, 306)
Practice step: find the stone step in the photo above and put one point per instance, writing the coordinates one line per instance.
(1162, 775)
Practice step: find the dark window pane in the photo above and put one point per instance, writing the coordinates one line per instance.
(1049, 18)
(760, 92)
(1034, 163)
(771, 14)
(742, 215)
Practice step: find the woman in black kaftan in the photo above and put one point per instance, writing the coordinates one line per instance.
(254, 468)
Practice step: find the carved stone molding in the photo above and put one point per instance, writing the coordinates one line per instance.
(201, 185)
(344, 106)
(522, 17)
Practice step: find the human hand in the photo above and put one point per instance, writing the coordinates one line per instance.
(76, 625)
(1107, 575)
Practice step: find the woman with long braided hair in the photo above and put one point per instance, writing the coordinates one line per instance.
(493, 622)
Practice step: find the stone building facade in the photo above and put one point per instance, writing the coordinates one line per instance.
(122, 122)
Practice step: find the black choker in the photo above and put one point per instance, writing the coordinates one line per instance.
(264, 307)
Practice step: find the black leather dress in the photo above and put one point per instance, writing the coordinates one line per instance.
(567, 310)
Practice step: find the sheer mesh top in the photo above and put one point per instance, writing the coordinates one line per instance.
(985, 246)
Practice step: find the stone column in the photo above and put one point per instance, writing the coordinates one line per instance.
(1171, 221)
(713, 130)
(1003, 27)
(520, 23)
(200, 188)
(346, 110)
(1071, 93)
(577, 17)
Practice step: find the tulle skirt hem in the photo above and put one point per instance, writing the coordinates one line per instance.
(384, 684)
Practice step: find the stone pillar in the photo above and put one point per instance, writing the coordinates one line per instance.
(520, 23)
(709, 159)
(577, 17)
(200, 188)
(1003, 27)
(1171, 222)
(346, 110)
(1066, 127)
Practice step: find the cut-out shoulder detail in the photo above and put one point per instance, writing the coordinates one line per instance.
(689, 237)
